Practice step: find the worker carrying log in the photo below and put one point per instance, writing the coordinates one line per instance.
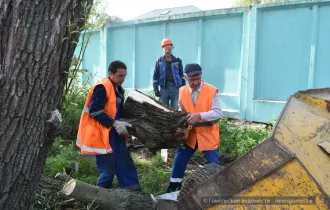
(101, 133)
(168, 75)
(201, 100)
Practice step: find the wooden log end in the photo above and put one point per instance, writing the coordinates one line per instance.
(69, 187)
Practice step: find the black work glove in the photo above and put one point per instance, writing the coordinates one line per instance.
(157, 93)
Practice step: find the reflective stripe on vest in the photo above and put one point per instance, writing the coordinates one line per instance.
(90, 149)
(86, 109)
(93, 138)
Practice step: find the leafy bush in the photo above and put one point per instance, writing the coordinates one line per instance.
(64, 157)
(153, 176)
(72, 106)
(235, 141)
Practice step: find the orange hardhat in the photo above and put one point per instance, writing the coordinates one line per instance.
(166, 42)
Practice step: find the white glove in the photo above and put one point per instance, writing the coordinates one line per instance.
(120, 127)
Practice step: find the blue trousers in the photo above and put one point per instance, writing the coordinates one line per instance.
(119, 163)
(182, 157)
(169, 95)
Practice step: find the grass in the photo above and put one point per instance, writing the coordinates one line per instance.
(235, 141)
(153, 174)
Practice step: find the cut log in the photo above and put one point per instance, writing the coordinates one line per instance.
(107, 198)
(157, 126)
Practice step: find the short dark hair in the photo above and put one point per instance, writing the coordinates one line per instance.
(114, 65)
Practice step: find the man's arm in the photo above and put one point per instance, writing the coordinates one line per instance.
(156, 77)
(215, 113)
(181, 72)
(96, 107)
(180, 107)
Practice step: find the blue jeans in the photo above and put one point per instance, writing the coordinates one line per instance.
(182, 157)
(169, 95)
(119, 163)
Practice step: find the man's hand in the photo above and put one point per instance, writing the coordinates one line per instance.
(121, 127)
(193, 118)
(157, 93)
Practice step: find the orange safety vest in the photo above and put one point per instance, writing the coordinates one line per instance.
(208, 137)
(93, 138)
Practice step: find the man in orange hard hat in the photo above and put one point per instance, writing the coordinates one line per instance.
(168, 75)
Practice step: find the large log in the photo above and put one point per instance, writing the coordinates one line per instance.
(157, 126)
(107, 198)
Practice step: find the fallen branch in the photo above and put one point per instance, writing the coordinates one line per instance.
(107, 198)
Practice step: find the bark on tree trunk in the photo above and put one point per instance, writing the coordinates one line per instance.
(198, 177)
(107, 199)
(34, 56)
(155, 125)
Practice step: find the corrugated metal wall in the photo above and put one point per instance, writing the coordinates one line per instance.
(256, 56)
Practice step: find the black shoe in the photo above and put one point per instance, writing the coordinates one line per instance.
(173, 186)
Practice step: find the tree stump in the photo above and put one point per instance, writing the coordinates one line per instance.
(198, 177)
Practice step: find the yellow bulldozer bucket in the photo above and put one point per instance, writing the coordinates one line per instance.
(289, 170)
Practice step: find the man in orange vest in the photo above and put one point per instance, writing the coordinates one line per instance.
(201, 100)
(102, 134)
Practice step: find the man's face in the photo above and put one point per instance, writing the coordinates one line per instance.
(167, 50)
(194, 81)
(119, 77)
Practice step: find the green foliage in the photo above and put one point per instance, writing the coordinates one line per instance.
(153, 176)
(236, 141)
(72, 106)
(64, 157)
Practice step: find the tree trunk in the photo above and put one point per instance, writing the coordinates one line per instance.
(198, 177)
(155, 125)
(107, 199)
(35, 52)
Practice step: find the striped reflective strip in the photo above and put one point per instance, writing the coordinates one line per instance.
(155, 81)
(96, 113)
(86, 109)
(90, 149)
(176, 179)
